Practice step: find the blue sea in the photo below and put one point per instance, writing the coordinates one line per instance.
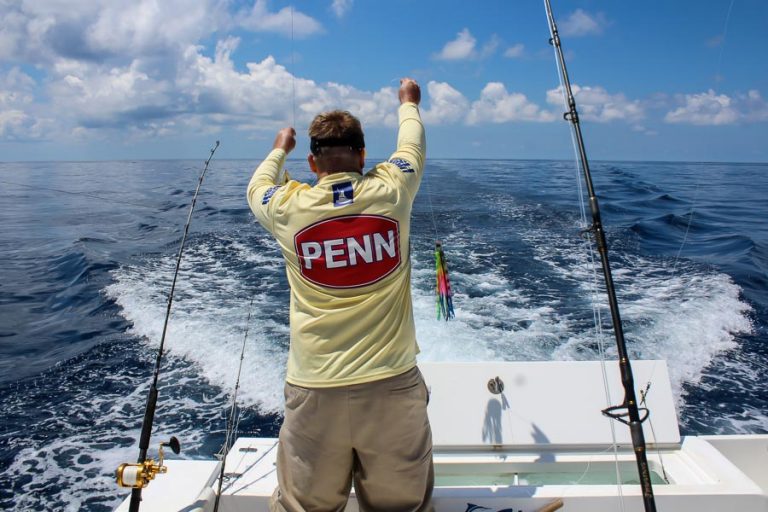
(88, 249)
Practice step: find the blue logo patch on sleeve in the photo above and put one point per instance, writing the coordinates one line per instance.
(403, 165)
(342, 193)
(269, 193)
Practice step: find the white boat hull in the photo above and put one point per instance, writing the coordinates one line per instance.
(521, 454)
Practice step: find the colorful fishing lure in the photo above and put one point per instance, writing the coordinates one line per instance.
(444, 302)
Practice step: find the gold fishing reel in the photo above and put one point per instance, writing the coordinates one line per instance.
(138, 476)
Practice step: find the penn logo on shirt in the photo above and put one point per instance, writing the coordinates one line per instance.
(349, 251)
(403, 165)
(269, 193)
(342, 193)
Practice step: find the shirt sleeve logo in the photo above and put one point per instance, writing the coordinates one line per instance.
(348, 251)
(342, 193)
(403, 165)
(269, 193)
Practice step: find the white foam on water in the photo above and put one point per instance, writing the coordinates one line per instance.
(687, 315)
(498, 322)
(73, 468)
(207, 324)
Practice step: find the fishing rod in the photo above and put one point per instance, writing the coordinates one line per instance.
(629, 408)
(137, 476)
(232, 420)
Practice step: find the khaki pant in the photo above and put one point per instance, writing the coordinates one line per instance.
(376, 434)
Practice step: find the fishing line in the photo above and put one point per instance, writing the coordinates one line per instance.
(443, 291)
(698, 176)
(234, 419)
(293, 73)
(431, 209)
(643, 401)
(84, 194)
(594, 287)
(725, 37)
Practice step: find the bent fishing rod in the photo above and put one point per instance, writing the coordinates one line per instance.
(137, 476)
(629, 408)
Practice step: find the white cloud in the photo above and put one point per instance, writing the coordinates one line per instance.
(135, 65)
(596, 104)
(463, 47)
(704, 109)
(755, 107)
(341, 7)
(580, 23)
(496, 105)
(446, 104)
(18, 121)
(262, 97)
(713, 109)
(16, 88)
(42, 32)
(286, 21)
(490, 47)
(515, 51)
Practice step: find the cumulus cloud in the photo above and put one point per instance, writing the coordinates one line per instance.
(464, 47)
(42, 32)
(121, 64)
(596, 104)
(756, 108)
(17, 122)
(710, 108)
(581, 23)
(446, 104)
(341, 7)
(515, 51)
(704, 109)
(496, 105)
(286, 21)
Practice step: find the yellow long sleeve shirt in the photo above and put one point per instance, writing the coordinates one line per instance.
(345, 242)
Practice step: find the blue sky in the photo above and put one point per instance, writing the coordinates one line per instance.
(118, 79)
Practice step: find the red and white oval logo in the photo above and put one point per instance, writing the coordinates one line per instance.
(349, 251)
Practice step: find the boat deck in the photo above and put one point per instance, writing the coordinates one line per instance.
(521, 449)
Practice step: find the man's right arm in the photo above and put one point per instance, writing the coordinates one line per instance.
(410, 155)
(266, 181)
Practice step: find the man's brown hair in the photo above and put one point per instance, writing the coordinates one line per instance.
(339, 128)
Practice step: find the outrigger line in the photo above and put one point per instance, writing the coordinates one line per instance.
(444, 302)
(628, 411)
(146, 470)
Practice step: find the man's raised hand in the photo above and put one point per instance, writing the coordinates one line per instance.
(409, 91)
(285, 139)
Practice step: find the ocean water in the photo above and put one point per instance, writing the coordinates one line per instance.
(87, 252)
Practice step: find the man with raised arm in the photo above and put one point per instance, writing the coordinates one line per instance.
(355, 402)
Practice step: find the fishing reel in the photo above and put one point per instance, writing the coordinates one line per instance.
(138, 476)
